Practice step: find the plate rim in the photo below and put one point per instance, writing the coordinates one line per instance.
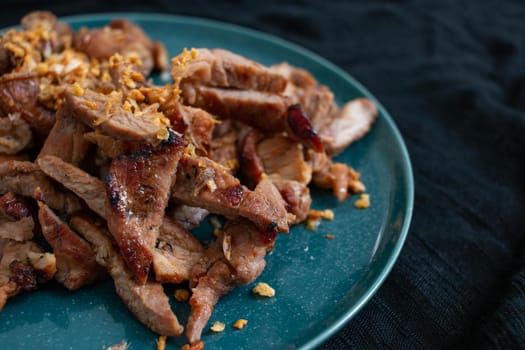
(406, 168)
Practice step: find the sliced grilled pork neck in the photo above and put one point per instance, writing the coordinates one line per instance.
(223, 68)
(22, 266)
(147, 301)
(66, 138)
(23, 178)
(87, 187)
(177, 251)
(76, 264)
(137, 188)
(222, 268)
(265, 111)
(106, 113)
(203, 183)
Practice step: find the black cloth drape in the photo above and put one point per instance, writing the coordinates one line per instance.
(452, 74)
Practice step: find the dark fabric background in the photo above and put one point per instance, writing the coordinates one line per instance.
(452, 75)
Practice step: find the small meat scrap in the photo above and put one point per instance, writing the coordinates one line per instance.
(161, 342)
(264, 290)
(218, 327)
(137, 188)
(22, 266)
(181, 295)
(123, 345)
(363, 202)
(240, 323)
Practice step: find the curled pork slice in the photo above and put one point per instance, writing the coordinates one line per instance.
(23, 178)
(177, 251)
(137, 188)
(268, 112)
(66, 138)
(19, 93)
(296, 195)
(125, 38)
(348, 124)
(223, 267)
(223, 68)
(76, 264)
(203, 183)
(147, 301)
(22, 266)
(107, 114)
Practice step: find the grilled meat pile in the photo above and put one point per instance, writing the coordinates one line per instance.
(113, 171)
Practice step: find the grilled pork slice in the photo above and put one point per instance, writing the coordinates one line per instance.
(348, 124)
(223, 68)
(137, 188)
(107, 114)
(203, 183)
(66, 138)
(19, 94)
(125, 38)
(87, 187)
(15, 134)
(236, 258)
(23, 178)
(22, 266)
(76, 264)
(59, 34)
(147, 301)
(176, 254)
(265, 111)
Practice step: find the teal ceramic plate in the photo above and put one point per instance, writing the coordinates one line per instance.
(320, 283)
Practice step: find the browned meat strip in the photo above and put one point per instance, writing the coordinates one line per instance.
(265, 111)
(137, 188)
(146, 301)
(87, 187)
(66, 138)
(15, 134)
(125, 38)
(76, 264)
(222, 268)
(203, 183)
(223, 68)
(24, 178)
(19, 94)
(22, 266)
(348, 124)
(105, 113)
(177, 251)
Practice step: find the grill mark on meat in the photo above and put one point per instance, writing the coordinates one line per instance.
(23, 178)
(222, 68)
(147, 301)
(76, 264)
(215, 275)
(203, 183)
(66, 138)
(137, 189)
